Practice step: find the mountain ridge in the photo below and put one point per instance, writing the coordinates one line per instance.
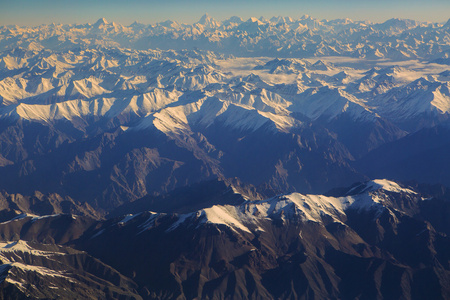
(308, 240)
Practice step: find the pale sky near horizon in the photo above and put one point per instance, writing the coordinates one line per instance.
(36, 12)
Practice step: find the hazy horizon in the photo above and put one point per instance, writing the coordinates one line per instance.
(31, 13)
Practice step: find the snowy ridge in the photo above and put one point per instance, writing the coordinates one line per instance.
(375, 195)
(305, 37)
(9, 252)
(174, 91)
(21, 246)
(34, 269)
(20, 217)
(329, 103)
(250, 216)
(419, 96)
(206, 112)
(386, 185)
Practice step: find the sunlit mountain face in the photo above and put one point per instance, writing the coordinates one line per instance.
(270, 158)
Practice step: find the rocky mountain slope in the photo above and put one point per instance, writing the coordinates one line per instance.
(203, 161)
(374, 240)
(106, 126)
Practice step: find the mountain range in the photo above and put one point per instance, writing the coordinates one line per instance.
(270, 159)
(398, 39)
(376, 239)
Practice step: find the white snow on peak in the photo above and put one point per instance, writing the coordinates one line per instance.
(441, 98)
(208, 22)
(329, 103)
(413, 99)
(15, 246)
(77, 76)
(309, 207)
(128, 218)
(387, 185)
(22, 246)
(227, 215)
(207, 111)
(250, 216)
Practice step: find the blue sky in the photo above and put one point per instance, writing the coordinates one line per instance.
(35, 12)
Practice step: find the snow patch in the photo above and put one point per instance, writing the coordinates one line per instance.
(386, 185)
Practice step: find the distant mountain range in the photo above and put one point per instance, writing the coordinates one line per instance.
(397, 39)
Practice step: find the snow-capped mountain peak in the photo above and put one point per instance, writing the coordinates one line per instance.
(373, 196)
(101, 21)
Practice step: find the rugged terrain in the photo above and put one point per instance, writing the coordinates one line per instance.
(373, 240)
(211, 160)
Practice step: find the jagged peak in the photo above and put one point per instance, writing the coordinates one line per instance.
(205, 18)
(101, 21)
(136, 23)
(306, 17)
(447, 25)
(234, 19)
(379, 184)
(254, 20)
